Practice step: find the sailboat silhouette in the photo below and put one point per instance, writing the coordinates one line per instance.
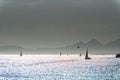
(86, 56)
(80, 54)
(21, 53)
(60, 53)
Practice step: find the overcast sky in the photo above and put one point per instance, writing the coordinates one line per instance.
(56, 23)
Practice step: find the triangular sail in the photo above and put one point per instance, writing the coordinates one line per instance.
(86, 56)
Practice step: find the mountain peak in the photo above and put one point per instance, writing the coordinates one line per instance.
(94, 42)
(115, 43)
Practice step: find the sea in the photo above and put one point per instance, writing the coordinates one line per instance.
(56, 67)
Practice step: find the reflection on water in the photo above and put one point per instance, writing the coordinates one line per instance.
(53, 67)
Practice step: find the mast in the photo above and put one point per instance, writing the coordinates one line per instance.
(79, 53)
(86, 56)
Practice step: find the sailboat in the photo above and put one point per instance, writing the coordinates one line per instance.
(60, 54)
(80, 54)
(21, 53)
(86, 56)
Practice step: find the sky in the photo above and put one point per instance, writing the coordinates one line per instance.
(57, 23)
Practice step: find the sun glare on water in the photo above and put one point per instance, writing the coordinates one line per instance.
(56, 67)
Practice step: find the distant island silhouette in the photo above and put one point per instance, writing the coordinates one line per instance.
(95, 47)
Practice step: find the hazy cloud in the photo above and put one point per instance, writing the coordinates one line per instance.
(70, 20)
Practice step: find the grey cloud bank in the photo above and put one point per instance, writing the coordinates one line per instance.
(54, 23)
